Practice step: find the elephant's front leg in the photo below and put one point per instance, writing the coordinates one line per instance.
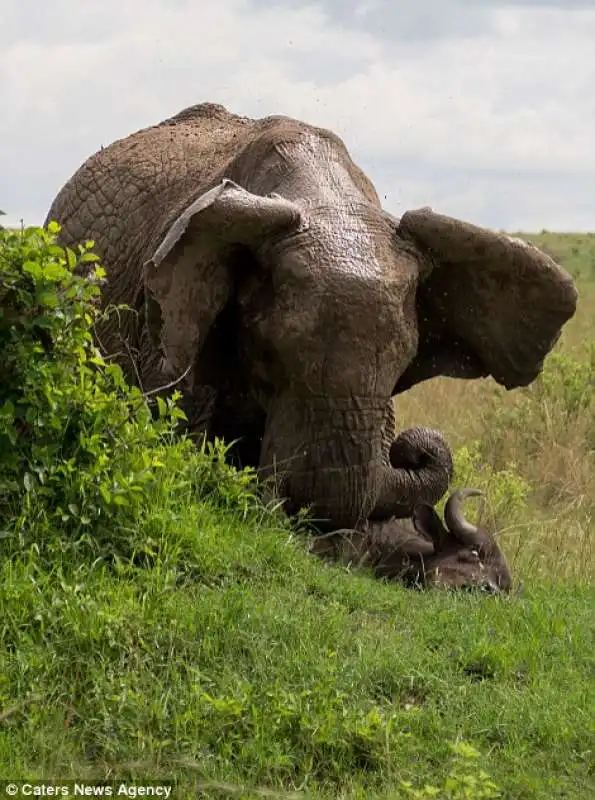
(237, 417)
(199, 407)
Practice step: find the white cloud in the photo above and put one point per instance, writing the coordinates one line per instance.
(496, 127)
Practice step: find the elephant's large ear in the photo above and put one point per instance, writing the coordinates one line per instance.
(489, 304)
(188, 279)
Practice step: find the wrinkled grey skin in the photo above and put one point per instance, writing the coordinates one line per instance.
(265, 272)
(422, 551)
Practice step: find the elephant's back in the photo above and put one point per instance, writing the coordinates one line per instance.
(125, 194)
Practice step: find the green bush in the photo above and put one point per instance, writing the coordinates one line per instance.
(568, 381)
(506, 490)
(80, 450)
(549, 408)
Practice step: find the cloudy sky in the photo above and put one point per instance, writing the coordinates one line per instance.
(481, 109)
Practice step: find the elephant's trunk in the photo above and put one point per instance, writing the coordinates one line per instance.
(331, 454)
(420, 471)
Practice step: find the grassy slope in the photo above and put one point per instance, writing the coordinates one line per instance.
(238, 659)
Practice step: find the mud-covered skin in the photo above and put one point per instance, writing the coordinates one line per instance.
(263, 268)
(422, 551)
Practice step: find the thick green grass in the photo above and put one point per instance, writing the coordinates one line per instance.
(246, 662)
(239, 666)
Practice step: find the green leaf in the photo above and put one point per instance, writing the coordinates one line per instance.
(105, 493)
(88, 258)
(465, 750)
(49, 298)
(32, 268)
(54, 271)
(7, 411)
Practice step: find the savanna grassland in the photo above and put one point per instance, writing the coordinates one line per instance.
(157, 621)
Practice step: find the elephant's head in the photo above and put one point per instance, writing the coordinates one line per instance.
(337, 306)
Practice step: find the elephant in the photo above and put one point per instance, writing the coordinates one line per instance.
(422, 551)
(268, 285)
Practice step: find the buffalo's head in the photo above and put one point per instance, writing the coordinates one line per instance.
(465, 556)
(423, 551)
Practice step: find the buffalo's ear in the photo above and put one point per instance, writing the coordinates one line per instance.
(490, 304)
(189, 277)
(428, 523)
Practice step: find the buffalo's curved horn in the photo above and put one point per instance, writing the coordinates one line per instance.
(455, 519)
